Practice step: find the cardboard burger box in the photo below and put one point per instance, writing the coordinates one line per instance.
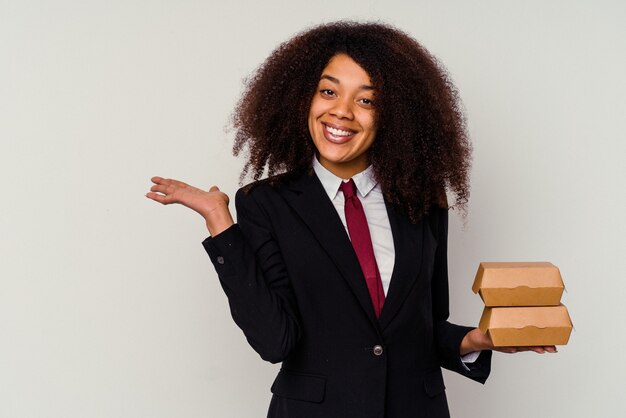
(519, 284)
(526, 326)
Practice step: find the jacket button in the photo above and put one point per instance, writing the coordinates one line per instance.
(377, 350)
(220, 260)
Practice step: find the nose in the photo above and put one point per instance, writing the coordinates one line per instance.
(342, 109)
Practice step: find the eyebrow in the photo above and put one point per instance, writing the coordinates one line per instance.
(336, 81)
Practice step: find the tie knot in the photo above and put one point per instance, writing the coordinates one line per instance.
(348, 189)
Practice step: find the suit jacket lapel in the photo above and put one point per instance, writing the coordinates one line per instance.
(307, 197)
(407, 240)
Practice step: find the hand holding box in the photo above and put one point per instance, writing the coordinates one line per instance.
(522, 304)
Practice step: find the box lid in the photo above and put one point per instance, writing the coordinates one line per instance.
(518, 283)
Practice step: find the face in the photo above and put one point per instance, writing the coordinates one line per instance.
(342, 120)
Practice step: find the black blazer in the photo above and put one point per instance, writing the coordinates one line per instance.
(296, 289)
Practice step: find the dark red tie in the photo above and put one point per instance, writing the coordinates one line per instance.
(362, 243)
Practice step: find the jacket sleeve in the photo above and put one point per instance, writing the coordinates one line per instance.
(251, 271)
(448, 336)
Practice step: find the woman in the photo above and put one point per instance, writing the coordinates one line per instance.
(337, 267)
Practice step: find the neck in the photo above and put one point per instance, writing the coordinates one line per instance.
(344, 170)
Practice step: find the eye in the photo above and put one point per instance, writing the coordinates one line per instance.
(366, 102)
(327, 92)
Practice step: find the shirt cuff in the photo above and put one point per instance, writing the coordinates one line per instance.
(469, 358)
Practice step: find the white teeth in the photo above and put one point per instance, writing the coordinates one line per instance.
(338, 132)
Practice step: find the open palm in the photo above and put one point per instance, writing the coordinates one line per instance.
(212, 205)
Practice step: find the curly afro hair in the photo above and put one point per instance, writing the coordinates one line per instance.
(421, 148)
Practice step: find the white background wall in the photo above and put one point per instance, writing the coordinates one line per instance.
(109, 306)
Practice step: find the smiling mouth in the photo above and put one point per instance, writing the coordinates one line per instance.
(337, 135)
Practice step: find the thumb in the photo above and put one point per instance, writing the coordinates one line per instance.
(214, 189)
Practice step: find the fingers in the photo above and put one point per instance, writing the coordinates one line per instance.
(542, 349)
(167, 191)
(176, 183)
(168, 182)
(163, 189)
(536, 349)
(508, 350)
(158, 198)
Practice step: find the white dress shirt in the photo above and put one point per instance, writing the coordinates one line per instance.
(371, 197)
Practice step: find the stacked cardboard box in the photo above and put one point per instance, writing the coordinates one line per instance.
(522, 304)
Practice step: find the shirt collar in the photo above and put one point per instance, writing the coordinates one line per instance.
(364, 181)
